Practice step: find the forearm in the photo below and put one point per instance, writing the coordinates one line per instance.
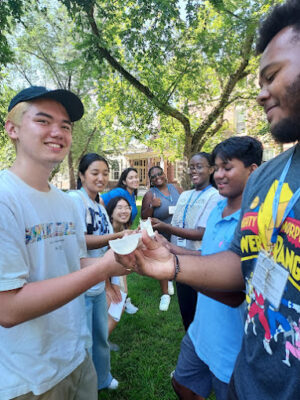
(98, 241)
(217, 272)
(147, 212)
(183, 251)
(38, 298)
(190, 234)
(147, 208)
(231, 299)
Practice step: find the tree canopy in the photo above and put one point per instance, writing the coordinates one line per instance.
(187, 61)
(161, 71)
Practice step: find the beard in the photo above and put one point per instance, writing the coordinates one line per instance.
(288, 129)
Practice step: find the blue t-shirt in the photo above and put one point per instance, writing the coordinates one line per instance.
(162, 212)
(217, 329)
(124, 193)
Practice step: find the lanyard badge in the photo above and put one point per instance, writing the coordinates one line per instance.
(269, 277)
(188, 203)
(182, 242)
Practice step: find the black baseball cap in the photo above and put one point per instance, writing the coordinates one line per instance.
(69, 100)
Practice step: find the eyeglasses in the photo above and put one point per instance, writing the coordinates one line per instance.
(156, 175)
(125, 208)
(197, 167)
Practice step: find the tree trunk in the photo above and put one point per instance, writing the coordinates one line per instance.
(72, 180)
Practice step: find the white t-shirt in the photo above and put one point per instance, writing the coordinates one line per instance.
(41, 237)
(100, 225)
(196, 214)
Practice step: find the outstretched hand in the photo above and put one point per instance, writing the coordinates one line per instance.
(115, 269)
(159, 225)
(151, 259)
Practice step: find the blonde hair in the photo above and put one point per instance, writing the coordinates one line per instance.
(16, 114)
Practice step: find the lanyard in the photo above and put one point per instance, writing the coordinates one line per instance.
(188, 203)
(290, 205)
(169, 198)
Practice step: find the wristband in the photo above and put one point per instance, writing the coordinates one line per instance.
(176, 267)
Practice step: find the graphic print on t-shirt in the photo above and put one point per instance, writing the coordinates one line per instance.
(97, 222)
(48, 230)
(280, 327)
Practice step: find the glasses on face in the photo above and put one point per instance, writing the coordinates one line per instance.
(152, 177)
(197, 167)
(125, 208)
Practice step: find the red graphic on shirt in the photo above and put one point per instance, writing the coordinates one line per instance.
(291, 227)
(249, 222)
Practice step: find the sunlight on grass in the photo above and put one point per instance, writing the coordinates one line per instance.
(149, 343)
(149, 346)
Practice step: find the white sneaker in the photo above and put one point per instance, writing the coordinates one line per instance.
(129, 307)
(113, 384)
(164, 302)
(170, 288)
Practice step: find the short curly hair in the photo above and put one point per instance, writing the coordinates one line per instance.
(280, 17)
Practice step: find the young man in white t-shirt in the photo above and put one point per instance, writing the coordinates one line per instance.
(43, 334)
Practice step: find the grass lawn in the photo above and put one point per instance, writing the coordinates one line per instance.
(149, 345)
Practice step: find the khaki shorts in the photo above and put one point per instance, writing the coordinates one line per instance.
(81, 384)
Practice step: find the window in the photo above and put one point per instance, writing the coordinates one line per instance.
(115, 170)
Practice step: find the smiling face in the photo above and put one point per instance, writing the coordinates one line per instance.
(231, 176)
(122, 213)
(280, 85)
(132, 181)
(44, 135)
(199, 171)
(157, 177)
(95, 178)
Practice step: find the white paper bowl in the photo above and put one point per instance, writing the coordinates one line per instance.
(126, 245)
(146, 224)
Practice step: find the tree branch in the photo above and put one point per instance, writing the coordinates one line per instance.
(48, 62)
(224, 100)
(210, 133)
(23, 73)
(174, 84)
(84, 150)
(234, 99)
(104, 53)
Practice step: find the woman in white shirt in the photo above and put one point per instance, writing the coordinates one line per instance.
(93, 176)
(189, 220)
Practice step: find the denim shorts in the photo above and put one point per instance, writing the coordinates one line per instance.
(194, 374)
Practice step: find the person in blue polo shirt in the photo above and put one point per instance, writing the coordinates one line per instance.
(213, 340)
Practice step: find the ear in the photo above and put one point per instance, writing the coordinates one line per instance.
(12, 130)
(211, 170)
(124, 183)
(81, 176)
(252, 168)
